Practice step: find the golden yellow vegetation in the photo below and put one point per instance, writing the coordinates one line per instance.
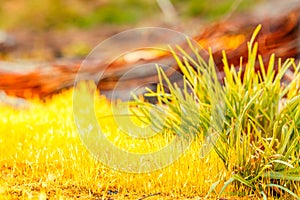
(42, 156)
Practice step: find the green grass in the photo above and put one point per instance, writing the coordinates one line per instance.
(254, 113)
(213, 9)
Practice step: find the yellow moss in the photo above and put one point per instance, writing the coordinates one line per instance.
(41, 154)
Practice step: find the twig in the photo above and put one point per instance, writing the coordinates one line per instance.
(150, 195)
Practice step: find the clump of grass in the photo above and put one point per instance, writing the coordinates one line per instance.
(260, 141)
(259, 116)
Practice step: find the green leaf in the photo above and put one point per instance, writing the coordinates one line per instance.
(226, 184)
(212, 188)
(282, 176)
(285, 189)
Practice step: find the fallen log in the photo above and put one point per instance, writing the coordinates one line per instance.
(279, 35)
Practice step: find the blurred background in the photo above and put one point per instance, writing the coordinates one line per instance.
(59, 14)
(43, 43)
(52, 29)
